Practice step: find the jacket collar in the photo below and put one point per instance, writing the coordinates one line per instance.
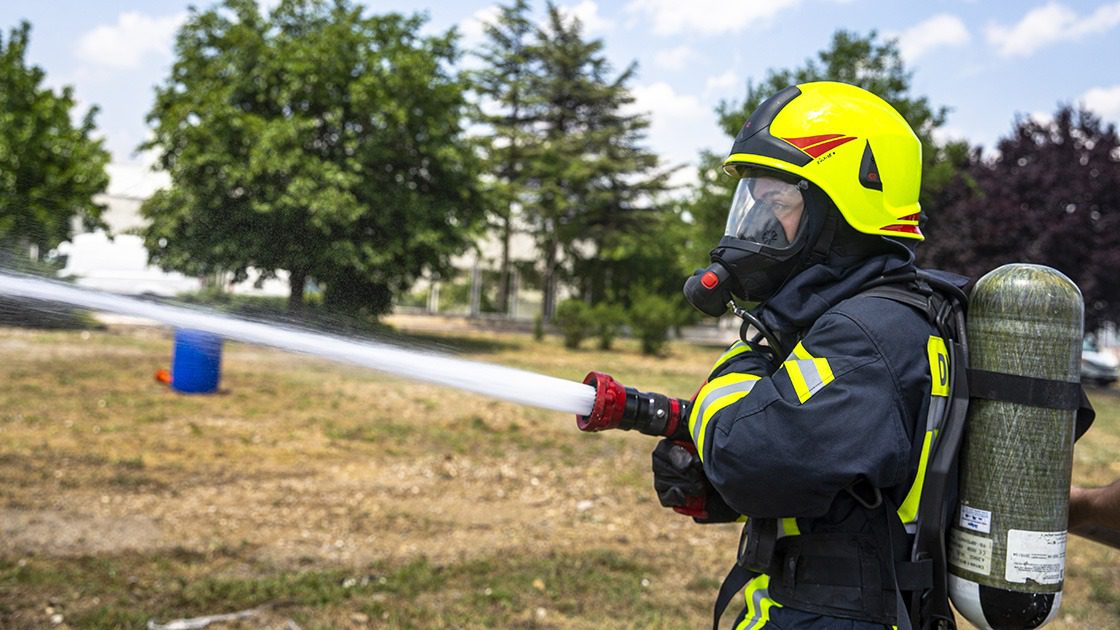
(811, 293)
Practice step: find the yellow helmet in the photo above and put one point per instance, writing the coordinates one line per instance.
(850, 143)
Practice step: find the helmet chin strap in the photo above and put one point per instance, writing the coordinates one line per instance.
(823, 245)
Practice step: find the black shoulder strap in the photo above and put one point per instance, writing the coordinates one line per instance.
(943, 307)
(921, 303)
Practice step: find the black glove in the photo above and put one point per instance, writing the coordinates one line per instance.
(680, 482)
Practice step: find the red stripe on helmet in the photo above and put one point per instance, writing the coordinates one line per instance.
(809, 141)
(818, 150)
(904, 229)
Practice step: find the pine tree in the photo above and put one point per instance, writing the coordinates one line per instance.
(591, 182)
(503, 85)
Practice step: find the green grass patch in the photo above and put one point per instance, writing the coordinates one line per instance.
(127, 590)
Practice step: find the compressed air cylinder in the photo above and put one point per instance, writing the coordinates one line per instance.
(1007, 540)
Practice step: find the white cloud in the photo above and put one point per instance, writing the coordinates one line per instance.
(473, 29)
(945, 135)
(1048, 25)
(675, 58)
(942, 30)
(707, 17)
(1104, 101)
(1042, 119)
(680, 124)
(587, 12)
(722, 83)
(130, 42)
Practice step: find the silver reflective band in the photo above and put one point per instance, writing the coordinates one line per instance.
(714, 395)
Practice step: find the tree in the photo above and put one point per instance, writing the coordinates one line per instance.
(590, 180)
(850, 58)
(503, 84)
(50, 168)
(315, 140)
(1050, 196)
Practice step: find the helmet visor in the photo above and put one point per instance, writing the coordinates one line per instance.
(767, 211)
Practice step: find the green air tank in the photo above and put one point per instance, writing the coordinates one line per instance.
(1007, 540)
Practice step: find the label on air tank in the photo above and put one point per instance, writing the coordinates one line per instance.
(970, 552)
(1035, 556)
(976, 519)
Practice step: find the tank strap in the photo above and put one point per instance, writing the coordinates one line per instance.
(1024, 390)
(1034, 392)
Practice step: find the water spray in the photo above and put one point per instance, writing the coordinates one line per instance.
(519, 386)
(600, 402)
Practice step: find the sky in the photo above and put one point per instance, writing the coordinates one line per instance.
(988, 62)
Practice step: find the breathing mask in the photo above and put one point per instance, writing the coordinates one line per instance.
(769, 228)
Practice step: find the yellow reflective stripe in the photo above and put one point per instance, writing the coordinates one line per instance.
(825, 371)
(759, 603)
(808, 376)
(807, 373)
(908, 511)
(714, 396)
(938, 366)
(939, 391)
(798, 379)
(800, 352)
(790, 528)
(735, 350)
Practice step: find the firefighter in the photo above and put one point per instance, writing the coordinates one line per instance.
(816, 432)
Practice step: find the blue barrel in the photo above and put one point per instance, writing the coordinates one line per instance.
(196, 362)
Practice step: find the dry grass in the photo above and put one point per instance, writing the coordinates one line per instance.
(347, 498)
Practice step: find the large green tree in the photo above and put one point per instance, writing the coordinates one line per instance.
(865, 61)
(316, 140)
(50, 168)
(591, 182)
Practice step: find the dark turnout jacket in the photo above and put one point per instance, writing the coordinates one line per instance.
(848, 405)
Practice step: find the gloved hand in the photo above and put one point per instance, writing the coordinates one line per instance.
(680, 482)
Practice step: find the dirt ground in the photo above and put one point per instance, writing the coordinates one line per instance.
(119, 498)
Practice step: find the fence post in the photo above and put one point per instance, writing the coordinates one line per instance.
(514, 293)
(433, 297)
(476, 290)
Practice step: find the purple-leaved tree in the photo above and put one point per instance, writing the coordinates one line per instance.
(1050, 196)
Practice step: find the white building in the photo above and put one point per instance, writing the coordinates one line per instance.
(116, 260)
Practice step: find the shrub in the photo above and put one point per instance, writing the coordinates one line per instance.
(575, 320)
(651, 317)
(608, 320)
(538, 328)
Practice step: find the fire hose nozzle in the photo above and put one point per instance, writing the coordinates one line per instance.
(619, 407)
(610, 403)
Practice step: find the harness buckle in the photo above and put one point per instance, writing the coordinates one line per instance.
(756, 544)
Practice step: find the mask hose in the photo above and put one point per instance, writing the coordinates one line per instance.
(773, 345)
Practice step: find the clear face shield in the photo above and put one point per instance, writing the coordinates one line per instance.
(768, 212)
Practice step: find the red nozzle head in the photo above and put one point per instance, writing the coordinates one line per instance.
(610, 402)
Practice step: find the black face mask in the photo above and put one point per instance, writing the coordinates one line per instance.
(754, 272)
